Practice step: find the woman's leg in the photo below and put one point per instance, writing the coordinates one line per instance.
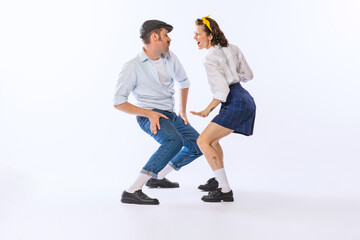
(218, 148)
(208, 143)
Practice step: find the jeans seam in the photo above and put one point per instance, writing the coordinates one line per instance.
(162, 152)
(194, 146)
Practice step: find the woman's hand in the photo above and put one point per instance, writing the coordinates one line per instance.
(206, 112)
(203, 113)
(184, 117)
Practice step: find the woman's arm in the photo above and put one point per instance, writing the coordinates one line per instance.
(204, 113)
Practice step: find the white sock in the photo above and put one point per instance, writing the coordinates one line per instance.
(139, 183)
(220, 176)
(165, 171)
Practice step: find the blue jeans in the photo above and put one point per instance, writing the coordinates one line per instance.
(178, 143)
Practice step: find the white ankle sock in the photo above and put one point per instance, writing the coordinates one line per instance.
(165, 171)
(220, 176)
(139, 183)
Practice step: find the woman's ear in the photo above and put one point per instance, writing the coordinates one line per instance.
(210, 37)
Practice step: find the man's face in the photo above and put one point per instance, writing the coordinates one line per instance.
(164, 40)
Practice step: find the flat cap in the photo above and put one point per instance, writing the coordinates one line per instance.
(151, 25)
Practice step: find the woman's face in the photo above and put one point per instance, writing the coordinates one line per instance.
(203, 41)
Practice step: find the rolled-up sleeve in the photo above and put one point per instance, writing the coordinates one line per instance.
(217, 81)
(180, 75)
(125, 83)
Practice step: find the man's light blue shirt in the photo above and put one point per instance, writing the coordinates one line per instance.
(140, 77)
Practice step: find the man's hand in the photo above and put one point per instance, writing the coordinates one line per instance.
(203, 113)
(154, 118)
(184, 117)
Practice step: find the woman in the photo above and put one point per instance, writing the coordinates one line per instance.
(226, 67)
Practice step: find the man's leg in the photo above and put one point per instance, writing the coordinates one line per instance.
(171, 143)
(191, 150)
(165, 171)
(139, 183)
(134, 194)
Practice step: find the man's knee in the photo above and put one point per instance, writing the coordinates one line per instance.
(175, 141)
(179, 143)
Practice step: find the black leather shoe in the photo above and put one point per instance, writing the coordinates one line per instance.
(218, 196)
(211, 185)
(161, 183)
(138, 197)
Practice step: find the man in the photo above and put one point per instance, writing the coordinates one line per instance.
(150, 77)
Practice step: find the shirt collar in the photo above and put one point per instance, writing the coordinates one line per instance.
(144, 57)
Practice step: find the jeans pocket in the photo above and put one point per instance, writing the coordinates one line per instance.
(139, 120)
(142, 121)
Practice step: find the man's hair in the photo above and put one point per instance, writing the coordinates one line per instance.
(146, 38)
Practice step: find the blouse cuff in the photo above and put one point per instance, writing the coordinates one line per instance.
(220, 96)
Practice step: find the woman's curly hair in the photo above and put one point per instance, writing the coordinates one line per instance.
(218, 35)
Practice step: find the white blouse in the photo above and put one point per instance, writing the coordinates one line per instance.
(225, 66)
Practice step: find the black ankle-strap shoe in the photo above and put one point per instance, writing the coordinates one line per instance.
(211, 185)
(161, 183)
(138, 197)
(218, 196)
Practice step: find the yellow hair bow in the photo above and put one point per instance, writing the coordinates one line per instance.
(206, 22)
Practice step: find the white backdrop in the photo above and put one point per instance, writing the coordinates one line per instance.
(63, 143)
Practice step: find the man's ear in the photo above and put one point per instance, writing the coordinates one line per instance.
(154, 37)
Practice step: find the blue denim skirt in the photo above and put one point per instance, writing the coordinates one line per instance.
(238, 112)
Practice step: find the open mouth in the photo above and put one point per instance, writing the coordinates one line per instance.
(198, 43)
